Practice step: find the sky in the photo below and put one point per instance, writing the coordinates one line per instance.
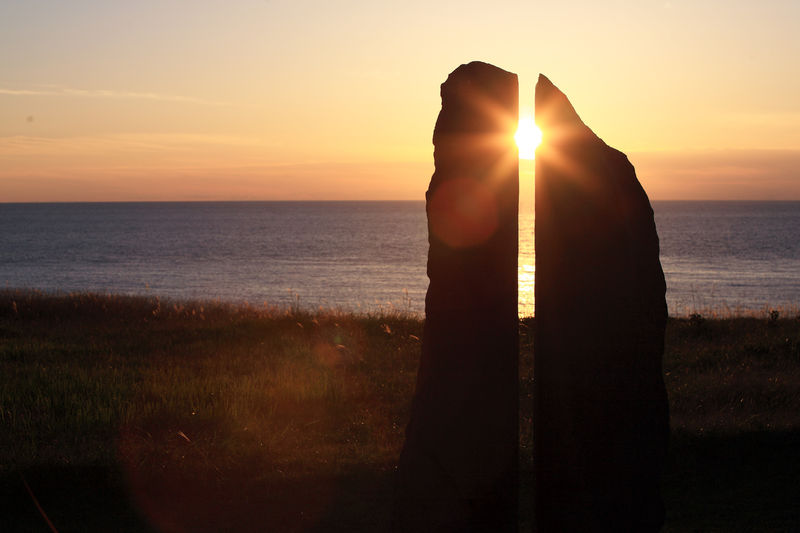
(336, 100)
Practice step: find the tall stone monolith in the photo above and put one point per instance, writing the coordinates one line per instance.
(458, 467)
(600, 406)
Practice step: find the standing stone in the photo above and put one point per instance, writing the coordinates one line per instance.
(600, 406)
(458, 467)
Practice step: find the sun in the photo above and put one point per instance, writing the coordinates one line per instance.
(528, 137)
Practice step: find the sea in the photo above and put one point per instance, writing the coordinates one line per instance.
(367, 257)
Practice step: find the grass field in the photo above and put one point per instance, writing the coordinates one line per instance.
(137, 414)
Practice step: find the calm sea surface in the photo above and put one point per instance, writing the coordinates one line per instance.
(361, 256)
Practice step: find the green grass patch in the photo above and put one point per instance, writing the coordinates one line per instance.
(142, 414)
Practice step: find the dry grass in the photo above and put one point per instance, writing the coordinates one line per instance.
(140, 414)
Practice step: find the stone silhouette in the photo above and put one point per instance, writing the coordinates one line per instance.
(458, 467)
(600, 406)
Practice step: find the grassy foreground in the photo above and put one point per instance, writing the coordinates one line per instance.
(138, 414)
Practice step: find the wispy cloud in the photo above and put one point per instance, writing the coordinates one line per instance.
(769, 118)
(720, 174)
(143, 144)
(24, 92)
(109, 94)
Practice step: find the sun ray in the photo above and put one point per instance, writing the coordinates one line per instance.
(528, 137)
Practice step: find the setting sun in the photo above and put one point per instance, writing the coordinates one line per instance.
(528, 137)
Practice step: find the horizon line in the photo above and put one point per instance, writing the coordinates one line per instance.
(422, 200)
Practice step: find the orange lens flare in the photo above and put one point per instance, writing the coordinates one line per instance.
(463, 213)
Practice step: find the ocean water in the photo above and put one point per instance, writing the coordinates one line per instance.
(362, 256)
(730, 256)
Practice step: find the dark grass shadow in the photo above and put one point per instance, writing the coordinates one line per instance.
(745, 482)
(734, 483)
(95, 499)
(362, 501)
(75, 499)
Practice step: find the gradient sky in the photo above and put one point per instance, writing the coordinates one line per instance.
(329, 100)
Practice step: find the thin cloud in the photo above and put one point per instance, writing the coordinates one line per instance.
(30, 146)
(25, 92)
(104, 93)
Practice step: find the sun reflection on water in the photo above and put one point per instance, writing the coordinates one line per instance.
(526, 266)
(526, 269)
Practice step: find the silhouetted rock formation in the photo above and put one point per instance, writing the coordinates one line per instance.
(458, 468)
(600, 406)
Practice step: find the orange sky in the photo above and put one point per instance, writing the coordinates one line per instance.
(283, 100)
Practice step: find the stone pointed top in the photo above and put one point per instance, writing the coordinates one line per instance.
(554, 112)
(600, 404)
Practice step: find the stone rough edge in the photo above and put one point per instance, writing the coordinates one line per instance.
(601, 420)
(458, 467)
